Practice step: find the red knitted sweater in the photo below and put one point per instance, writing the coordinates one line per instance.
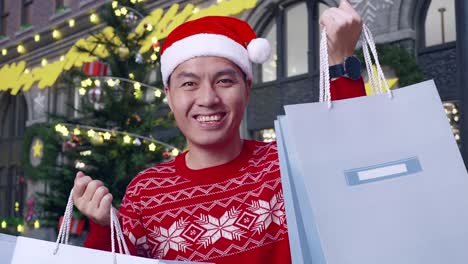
(231, 213)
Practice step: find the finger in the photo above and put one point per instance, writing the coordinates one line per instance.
(106, 202)
(341, 17)
(103, 212)
(91, 189)
(327, 20)
(100, 192)
(347, 7)
(79, 187)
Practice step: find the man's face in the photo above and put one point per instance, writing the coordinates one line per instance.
(208, 96)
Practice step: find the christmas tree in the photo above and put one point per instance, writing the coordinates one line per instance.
(123, 124)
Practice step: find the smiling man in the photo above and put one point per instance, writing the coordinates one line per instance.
(221, 201)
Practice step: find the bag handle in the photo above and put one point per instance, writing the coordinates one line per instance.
(64, 233)
(375, 81)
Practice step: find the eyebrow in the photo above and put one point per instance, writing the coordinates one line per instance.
(187, 75)
(226, 72)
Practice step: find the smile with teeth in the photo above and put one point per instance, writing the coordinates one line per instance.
(209, 118)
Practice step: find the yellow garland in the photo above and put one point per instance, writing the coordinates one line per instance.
(15, 78)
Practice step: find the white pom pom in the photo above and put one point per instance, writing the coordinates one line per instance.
(259, 50)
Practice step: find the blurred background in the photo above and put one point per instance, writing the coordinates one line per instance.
(80, 87)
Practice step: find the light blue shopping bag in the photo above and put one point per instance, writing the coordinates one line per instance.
(376, 179)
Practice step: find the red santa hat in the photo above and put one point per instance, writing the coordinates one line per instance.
(219, 36)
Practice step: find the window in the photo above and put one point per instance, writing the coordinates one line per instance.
(297, 36)
(26, 13)
(13, 116)
(269, 67)
(3, 18)
(440, 26)
(61, 5)
(289, 42)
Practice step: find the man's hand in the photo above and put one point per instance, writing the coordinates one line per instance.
(344, 26)
(92, 198)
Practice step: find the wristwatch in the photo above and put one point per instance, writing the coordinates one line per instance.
(350, 68)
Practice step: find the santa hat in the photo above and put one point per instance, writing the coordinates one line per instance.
(219, 36)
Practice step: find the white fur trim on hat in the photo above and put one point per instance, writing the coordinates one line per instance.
(204, 45)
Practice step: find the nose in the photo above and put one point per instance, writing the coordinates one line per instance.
(207, 95)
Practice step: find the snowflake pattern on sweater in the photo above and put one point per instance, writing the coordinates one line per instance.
(235, 209)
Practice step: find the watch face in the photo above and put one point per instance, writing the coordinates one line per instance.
(353, 67)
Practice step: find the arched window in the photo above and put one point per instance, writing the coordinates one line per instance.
(439, 24)
(290, 41)
(288, 77)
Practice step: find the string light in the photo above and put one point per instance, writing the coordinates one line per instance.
(37, 38)
(127, 139)
(137, 86)
(26, 71)
(157, 93)
(91, 133)
(133, 1)
(82, 91)
(4, 52)
(154, 56)
(196, 10)
(124, 11)
(4, 224)
(79, 165)
(149, 27)
(20, 228)
(152, 147)
(62, 129)
(107, 135)
(89, 82)
(62, 58)
(110, 82)
(117, 12)
(175, 152)
(21, 49)
(56, 34)
(115, 4)
(71, 22)
(97, 82)
(93, 18)
(76, 131)
(44, 62)
(86, 153)
(37, 225)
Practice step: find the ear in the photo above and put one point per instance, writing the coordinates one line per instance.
(167, 91)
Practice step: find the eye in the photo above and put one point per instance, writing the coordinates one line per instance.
(188, 84)
(226, 81)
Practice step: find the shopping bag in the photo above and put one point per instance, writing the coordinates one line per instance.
(7, 245)
(377, 179)
(28, 250)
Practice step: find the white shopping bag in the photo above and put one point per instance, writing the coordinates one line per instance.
(376, 179)
(28, 250)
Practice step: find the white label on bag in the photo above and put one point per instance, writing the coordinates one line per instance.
(382, 172)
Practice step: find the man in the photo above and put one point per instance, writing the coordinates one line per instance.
(221, 201)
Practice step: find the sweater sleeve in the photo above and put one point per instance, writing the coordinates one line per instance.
(344, 88)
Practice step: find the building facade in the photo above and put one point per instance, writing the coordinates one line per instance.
(41, 32)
